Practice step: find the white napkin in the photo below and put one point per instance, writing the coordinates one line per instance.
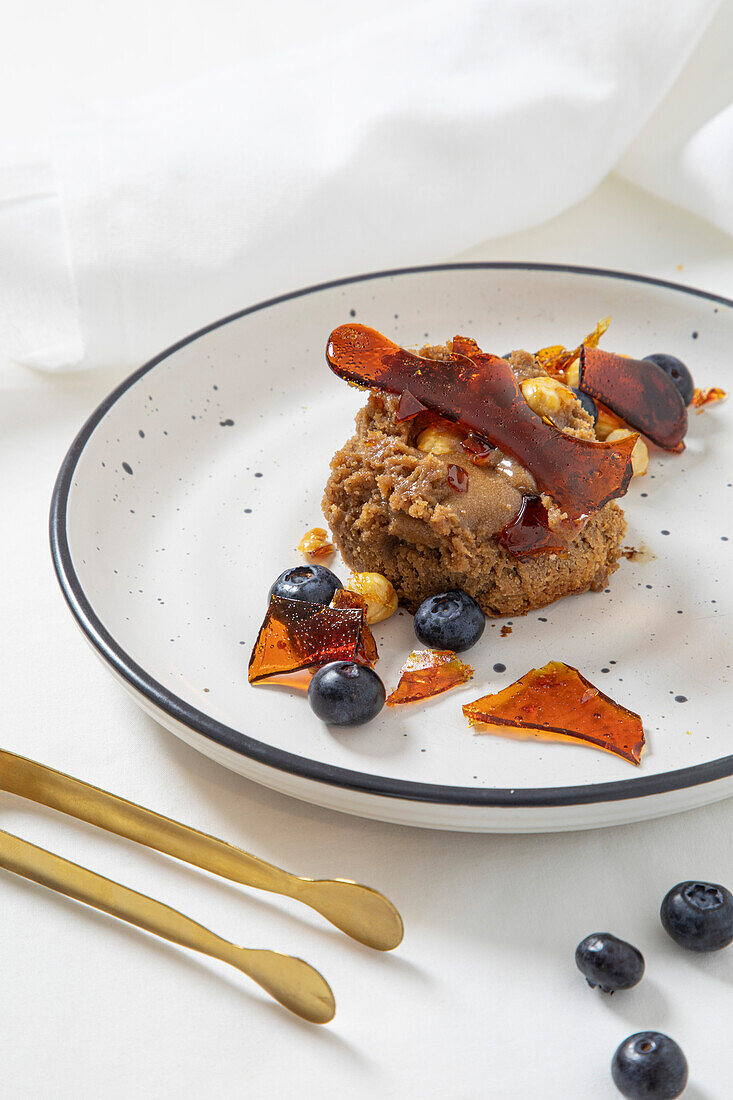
(404, 140)
(685, 152)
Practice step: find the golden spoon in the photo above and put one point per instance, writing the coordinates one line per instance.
(360, 912)
(291, 981)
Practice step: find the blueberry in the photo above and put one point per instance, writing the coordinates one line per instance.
(450, 620)
(312, 583)
(649, 1066)
(346, 694)
(698, 915)
(587, 402)
(608, 962)
(677, 371)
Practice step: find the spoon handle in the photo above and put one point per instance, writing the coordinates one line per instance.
(357, 910)
(291, 981)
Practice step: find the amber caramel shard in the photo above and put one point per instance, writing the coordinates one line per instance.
(638, 391)
(481, 394)
(554, 359)
(316, 544)
(593, 338)
(557, 699)
(344, 597)
(428, 672)
(409, 407)
(457, 478)
(529, 533)
(465, 345)
(477, 449)
(297, 635)
(702, 398)
(557, 359)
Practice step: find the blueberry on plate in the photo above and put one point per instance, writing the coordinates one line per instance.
(649, 1066)
(450, 620)
(677, 371)
(698, 915)
(312, 583)
(608, 962)
(587, 402)
(346, 694)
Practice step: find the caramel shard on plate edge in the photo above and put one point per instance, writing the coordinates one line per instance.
(428, 672)
(557, 699)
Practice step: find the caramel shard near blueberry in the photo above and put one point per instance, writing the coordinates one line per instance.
(344, 597)
(710, 396)
(638, 391)
(429, 672)
(297, 635)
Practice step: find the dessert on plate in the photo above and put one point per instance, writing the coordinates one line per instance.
(433, 504)
(474, 485)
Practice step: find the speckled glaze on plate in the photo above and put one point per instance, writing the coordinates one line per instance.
(188, 489)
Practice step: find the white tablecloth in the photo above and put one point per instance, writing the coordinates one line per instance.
(483, 998)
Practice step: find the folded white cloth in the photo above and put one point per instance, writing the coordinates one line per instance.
(685, 152)
(403, 140)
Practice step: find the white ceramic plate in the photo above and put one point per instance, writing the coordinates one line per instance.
(188, 490)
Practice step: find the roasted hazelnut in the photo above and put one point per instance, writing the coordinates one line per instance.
(377, 592)
(546, 396)
(640, 453)
(437, 441)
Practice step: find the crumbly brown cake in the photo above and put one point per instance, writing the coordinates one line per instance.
(392, 510)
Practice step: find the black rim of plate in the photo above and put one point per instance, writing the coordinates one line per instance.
(199, 722)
